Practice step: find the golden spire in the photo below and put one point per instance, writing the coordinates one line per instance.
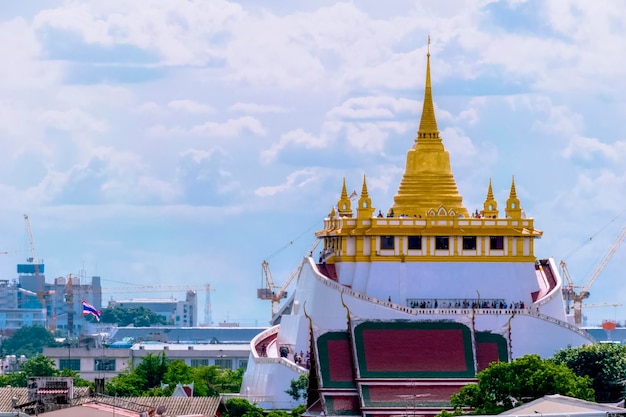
(428, 123)
(428, 183)
(365, 209)
(513, 206)
(344, 204)
(490, 206)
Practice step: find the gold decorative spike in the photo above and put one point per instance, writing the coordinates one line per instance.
(428, 183)
(365, 209)
(513, 206)
(344, 204)
(490, 206)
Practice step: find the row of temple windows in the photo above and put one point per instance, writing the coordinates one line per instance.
(442, 242)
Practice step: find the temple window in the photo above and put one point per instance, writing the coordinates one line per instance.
(415, 242)
(469, 242)
(387, 242)
(442, 242)
(496, 242)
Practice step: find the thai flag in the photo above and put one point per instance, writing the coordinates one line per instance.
(89, 309)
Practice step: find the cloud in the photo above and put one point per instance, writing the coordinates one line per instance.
(373, 107)
(73, 120)
(230, 128)
(297, 179)
(190, 106)
(585, 148)
(256, 108)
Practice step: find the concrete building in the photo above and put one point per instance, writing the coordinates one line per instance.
(107, 362)
(180, 313)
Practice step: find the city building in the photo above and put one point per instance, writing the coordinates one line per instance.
(107, 362)
(178, 312)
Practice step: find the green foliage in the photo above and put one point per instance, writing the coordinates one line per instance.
(239, 407)
(504, 385)
(39, 366)
(604, 363)
(17, 379)
(151, 370)
(277, 413)
(28, 341)
(78, 381)
(137, 316)
(127, 384)
(146, 378)
(298, 411)
(298, 387)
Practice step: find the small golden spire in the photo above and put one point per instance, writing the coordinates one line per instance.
(513, 206)
(344, 204)
(490, 206)
(365, 209)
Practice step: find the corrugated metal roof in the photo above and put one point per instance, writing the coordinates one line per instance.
(174, 406)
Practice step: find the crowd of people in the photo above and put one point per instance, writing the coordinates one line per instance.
(466, 303)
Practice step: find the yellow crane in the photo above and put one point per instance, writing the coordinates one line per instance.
(42, 294)
(575, 294)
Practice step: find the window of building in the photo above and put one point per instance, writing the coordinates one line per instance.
(224, 363)
(73, 364)
(387, 242)
(243, 363)
(415, 242)
(496, 242)
(196, 363)
(104, 365)
(442, 242)
(469, 242)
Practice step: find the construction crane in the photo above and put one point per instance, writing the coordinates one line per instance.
(575, 294)
(155, 288)
(69, 303)
(39, 284)
(273, 292)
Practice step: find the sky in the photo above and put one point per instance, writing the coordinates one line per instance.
(182, 143)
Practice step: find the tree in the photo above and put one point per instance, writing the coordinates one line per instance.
(39, 366)
(298, 387)
(28, 341)
(137, 316)
(151, 370)
(604, 363)
(239, 407)
(505, 385)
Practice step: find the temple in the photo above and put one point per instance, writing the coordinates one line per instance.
(403, 308)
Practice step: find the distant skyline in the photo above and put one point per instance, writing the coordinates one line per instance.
(184, 142)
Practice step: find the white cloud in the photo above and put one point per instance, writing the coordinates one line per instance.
(585, 148)
(230, 128)
(376, 107)
(297, 179)
(72, 120)
(256, 108)
(190, 106)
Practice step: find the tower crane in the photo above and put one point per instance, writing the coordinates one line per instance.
(273, 292)
(39, 284)
(575, 294)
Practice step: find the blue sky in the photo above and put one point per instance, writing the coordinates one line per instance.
(184, 142)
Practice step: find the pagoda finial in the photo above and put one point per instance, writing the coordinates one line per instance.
(365, 209)
(513, 206)
(364, 188)
(490, 206)
(344, 204)
(428, 123)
